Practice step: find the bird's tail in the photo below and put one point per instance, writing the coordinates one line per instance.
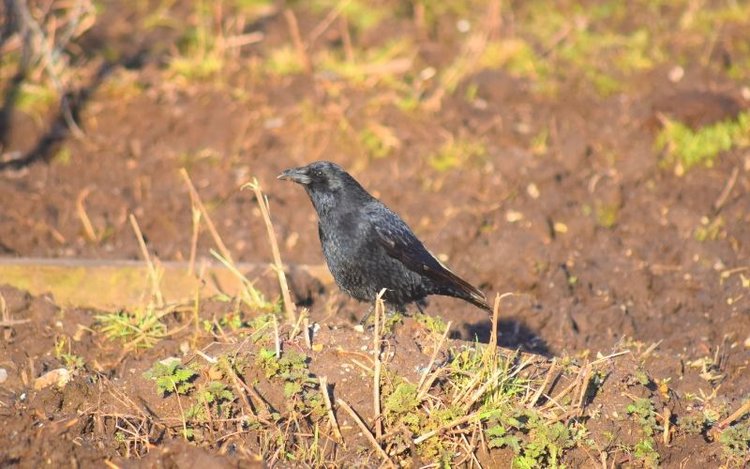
(460, 288)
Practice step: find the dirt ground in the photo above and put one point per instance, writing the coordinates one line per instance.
(559, 197)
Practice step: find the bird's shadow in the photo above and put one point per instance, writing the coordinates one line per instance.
(511, 334)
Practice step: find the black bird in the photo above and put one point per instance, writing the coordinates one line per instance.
(368, 247)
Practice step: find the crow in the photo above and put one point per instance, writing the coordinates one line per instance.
(368, 247)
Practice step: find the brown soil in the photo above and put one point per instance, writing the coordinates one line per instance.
(514, 220)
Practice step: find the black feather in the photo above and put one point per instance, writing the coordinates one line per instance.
(368, 247)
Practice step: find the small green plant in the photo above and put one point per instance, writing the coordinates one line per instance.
(643, 410)
(686, 148)
(216, 397)
(546, 444)
(432, 323)
(300, 387)
(63, 353)
(735, 444)
(403, 400)
(140, 328)
(171, 376)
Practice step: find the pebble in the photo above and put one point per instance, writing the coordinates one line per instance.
(59, 377)
(3, 375)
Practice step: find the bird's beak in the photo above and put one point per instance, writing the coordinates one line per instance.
(298, 175)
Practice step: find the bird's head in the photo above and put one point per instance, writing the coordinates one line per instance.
(320, 175)
(326, 183)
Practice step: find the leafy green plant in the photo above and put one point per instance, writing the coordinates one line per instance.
(214, 396)
(643, 410)
(735, 444)
(546, 443)
(171, 376)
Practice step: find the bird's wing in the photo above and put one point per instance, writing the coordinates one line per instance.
(400, 243)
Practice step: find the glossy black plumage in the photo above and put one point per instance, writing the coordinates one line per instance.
(368, 247)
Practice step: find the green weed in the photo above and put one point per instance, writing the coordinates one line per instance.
(171, 376)
(686, 148)
(643, 410)
(735, 444)
(63, 353)
(214, 397)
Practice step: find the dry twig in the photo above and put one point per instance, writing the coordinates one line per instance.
(289, 307)
(366, 432)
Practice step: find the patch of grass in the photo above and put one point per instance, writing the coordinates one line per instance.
(432, 323)
(140, 328)
(201, 49)
(478, 389)
(171, 376)
(591, 43)
(456, 153)
(686, 148)
(384, 64)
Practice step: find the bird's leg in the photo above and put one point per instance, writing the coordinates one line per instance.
(367, 315)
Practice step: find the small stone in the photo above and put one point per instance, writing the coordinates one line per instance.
(59, 377)
(676, 74)
(533, 191)
(3, 375)
(512, 216)
(560, 227)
